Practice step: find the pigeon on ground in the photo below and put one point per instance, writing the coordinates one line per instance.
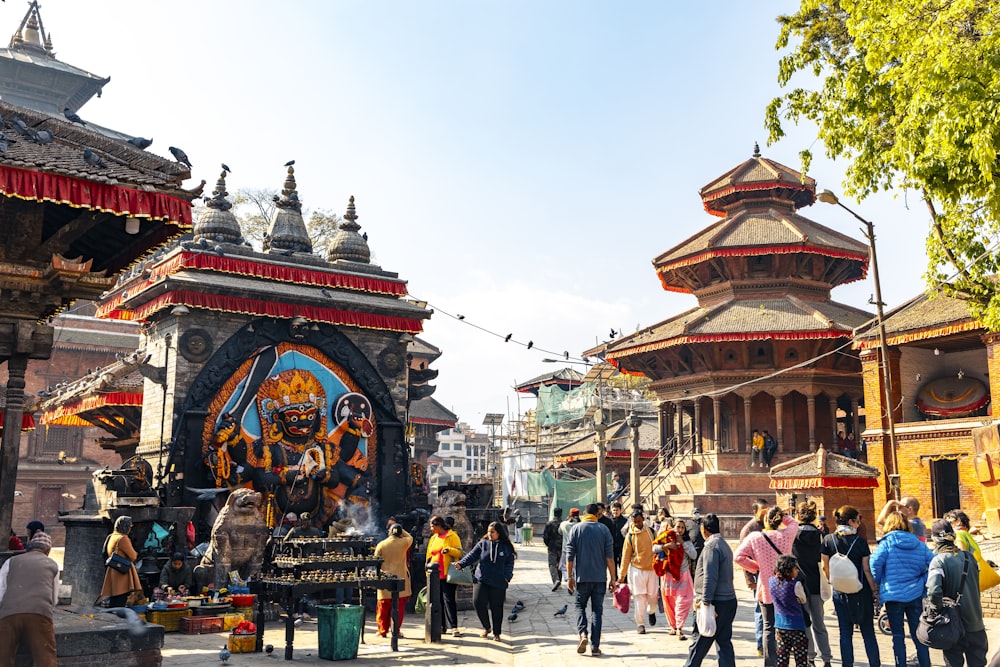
(141, 142)
(518, 606)
(269, 649)
(561, 611)
(93, 159)
(290, 163)
(72, 116)
(180, 156)
(224, 655)
(512, 617)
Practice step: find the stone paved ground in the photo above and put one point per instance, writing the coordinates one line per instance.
(536, 638)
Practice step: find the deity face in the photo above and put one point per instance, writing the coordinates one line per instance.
(297, 421)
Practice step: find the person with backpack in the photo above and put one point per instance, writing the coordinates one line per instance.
(845, 565)
(554, 545)
(899, 566)
(759, 552)
(945, 580)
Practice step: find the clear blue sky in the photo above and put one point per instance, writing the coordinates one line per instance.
(519, 163)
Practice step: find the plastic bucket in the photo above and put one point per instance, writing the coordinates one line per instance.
(339, 631)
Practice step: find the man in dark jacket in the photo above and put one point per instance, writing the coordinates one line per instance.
(617, 535)
(943, 577)
(553, 544)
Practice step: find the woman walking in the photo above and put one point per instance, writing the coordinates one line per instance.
(118, 585)
(393, 551)
(899, 566)
(789, 596)
(759, 553)
(808, 551)
(494, 557)
(853, 608)
(676, 586)
(443, 547)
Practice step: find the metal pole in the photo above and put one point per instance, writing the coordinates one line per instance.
(634, 421)
(602, 486)
(884, 353)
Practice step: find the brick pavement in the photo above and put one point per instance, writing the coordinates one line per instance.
(536, 638)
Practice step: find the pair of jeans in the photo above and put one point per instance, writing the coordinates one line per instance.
(911, 610)
(488, 601)
(856, 609)
(758, 625)
(592, 592)
(725, 611)
(770, 640)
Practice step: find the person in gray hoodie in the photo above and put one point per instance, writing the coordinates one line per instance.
(944, 576)
(899, 565)
(713, 584)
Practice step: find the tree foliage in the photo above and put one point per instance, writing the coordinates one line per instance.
(909, 93)
(254, 208)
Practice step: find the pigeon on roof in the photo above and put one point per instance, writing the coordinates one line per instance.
(180, 156)
(72, 116)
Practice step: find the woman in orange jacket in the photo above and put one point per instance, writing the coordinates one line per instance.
(444, 547)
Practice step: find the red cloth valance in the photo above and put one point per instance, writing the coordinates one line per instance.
(79, 193)
(924, 334)
(27, 421)
(230, 304)
(751, 187)
(735, 336)
(748, 251)
(793, 483)
(66, 415)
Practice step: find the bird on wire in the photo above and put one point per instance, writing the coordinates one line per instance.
(180, 156)
(531, 344)
(561, 611)
(224, 655)
(93, 159)
(461, 317)
(141, 142)
(72, 116)
(507, 339)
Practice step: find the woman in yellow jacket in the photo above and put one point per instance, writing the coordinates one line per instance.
(444, 547)
(117, 585)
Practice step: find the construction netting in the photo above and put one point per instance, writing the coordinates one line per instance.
(564, 493)
(556, 406)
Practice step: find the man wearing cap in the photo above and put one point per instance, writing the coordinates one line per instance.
(176, 574)
(589, 555)
(637, 568)
(943, 577)
(29, 589)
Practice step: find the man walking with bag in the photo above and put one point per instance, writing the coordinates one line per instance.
(637, 569)
(944, 580)
(713, 585)
(589, 555)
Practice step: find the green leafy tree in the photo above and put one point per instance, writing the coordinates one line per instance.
(254, 208)
(907, 92)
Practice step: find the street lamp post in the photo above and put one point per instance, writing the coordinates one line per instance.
(828, 197)
(634, 422)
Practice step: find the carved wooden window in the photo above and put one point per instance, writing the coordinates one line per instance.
(792, 355)
(762, 355)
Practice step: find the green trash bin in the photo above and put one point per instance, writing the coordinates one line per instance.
(339, 631)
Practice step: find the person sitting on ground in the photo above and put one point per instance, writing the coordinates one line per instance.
(176, 574)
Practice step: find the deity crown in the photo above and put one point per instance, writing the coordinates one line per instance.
(301, 388)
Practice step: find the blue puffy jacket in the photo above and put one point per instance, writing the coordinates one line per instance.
(899, 565)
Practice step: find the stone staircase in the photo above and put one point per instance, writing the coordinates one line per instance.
(711, 482)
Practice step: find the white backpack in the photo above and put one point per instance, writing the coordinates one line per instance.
(843, 573)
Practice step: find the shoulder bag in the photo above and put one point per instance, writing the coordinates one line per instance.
(115, 561)
(458, 577)
(943, 630)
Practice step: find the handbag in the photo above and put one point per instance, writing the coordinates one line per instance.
(623, 597)
(825, 589)
(118, 563)
(458, 577)
(420, 604)
(705, 620)
(943, 630)
(988, 577)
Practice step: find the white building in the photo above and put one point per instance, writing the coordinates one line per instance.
(460, 456)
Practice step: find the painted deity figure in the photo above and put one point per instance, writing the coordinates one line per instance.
(295, 460)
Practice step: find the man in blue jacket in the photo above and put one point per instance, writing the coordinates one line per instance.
(589, 557)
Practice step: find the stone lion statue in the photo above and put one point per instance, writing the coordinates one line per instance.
(238, 540)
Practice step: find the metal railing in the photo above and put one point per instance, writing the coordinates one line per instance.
(652, 476)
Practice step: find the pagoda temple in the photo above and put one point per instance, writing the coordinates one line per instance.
(766, 348)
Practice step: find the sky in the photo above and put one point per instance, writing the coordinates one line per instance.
(518, 163)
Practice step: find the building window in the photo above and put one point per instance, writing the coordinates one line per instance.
(468, 464)
(445, 446)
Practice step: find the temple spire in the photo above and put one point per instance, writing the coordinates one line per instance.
(30, 35)
(347, 244)
(756, 149)
(218, 223)
(288, 232)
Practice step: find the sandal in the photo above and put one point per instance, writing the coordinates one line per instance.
(484, 634)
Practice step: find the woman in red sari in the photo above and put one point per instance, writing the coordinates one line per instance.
(675, 553)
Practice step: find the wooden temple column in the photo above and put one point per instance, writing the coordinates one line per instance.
(746, 422)
(833, 421)
(696, 430)
(855, 423)
(10, 443)
(716, 417)
(779, 429)
(679, 422)
(811, 413)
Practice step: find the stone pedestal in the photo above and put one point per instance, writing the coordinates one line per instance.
(83, 562)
